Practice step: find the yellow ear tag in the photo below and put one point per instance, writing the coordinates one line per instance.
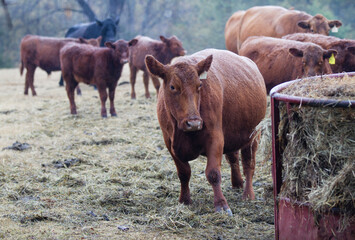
(332, 59)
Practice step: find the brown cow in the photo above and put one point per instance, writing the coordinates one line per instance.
(344, 60)
(94, 65)
(275, 21)
(211, 117)
(281, 60)
(232, 30)
(164, 50)
(43, 52)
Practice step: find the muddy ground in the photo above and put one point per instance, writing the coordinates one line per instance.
(84, 177)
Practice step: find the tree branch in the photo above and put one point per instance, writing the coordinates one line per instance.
(7, 14)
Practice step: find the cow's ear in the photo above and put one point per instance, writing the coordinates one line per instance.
(110, 45)
(117, 20)
(155, 67)
(329, 53)
(98, 22)
(132, 42)
(304, 24)
(204, 65)
(163, 39)
(335, 23)
(351, 50)
(99, 39)
(296, 52)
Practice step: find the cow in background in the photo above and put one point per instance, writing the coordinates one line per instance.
(345, 58)
(164, 51)
(43, 52)
(106, 29)
(280, 60)
(211, 115)
(94, 65)
(273, 21)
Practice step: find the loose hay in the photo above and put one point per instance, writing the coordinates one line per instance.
(319, 148)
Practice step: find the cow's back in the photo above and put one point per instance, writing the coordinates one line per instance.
(144, 46)
(236, 90)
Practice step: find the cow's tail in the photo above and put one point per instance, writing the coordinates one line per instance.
(21, 67)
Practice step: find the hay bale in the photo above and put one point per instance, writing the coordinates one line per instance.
(318, 146)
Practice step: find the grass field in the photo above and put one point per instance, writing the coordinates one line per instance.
(85, 177)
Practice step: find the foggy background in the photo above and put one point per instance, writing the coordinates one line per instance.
(199, 24)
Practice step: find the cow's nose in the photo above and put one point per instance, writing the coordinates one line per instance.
(193, 125)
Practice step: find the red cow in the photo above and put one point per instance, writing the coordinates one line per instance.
(211, 117)
(43, 52)
(94, 65)
(275, 21)
(164, 50)
(344, 60)
(281, 60)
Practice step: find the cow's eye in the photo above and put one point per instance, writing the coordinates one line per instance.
(172, 87)
(320, 63)
(199, 87)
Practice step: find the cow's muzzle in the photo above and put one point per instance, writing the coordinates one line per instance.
(191, 125)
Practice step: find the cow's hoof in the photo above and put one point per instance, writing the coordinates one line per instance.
(113, 114)
(226, 209)
(104, 116)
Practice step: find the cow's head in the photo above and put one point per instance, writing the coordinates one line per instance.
(345, 58)
(120, 48)
(181, 90)
(319, 24)
(314, 59)
(92, 41)
(174, 45)
(107, 30)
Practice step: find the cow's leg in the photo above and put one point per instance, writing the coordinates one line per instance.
(133, 76)
(101, 87)
(61, 82)
(78, 90)
(236, 177)
(70, 87)
(184, 173)
(156, 83)
(29, 80)
(248, 161)
(146, 83)
(111, 95)
(213, 172)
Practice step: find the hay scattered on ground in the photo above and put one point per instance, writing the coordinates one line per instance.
(319, 150)
(85, 177)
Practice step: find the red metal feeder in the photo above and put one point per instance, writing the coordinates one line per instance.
(295, 220)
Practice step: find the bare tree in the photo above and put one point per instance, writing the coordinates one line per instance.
(87, 10)
(7, 14)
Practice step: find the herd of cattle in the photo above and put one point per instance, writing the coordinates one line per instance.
(211, 101)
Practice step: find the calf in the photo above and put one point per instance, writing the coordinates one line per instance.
(164, 50)
(273, 21)
(43, 52)
(281, 60)
(211, 116)
(344, 60)
(94, 65)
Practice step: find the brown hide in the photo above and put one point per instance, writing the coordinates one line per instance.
(345, 58)
(43, 52)
(281, 60)
(231, 31)
(94, 65)
(275, 21)
(164, 50)
(211, 117)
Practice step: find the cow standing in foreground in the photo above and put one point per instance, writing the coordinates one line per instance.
(345, 58)
(94, 65)
(164, 50)
(281, 60)
(211, 117)
(43, 52)
(273, 21)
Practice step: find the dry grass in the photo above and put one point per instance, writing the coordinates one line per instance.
(319, 149)
(85, 177)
